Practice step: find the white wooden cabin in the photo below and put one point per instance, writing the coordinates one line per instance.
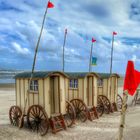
(82, 85)
(104, 86)
(47, 89)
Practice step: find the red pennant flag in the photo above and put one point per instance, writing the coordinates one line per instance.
(132, 78)
(114, 33)
(93, 40)
(50, 5)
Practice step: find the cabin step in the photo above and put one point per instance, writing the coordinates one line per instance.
(57, 123)
(92, 113)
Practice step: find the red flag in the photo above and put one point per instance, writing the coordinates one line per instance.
(114, 33)
(93, 40)
(50, 5)
(132, 78)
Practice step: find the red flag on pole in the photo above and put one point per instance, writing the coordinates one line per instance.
(114, 33)
(50, 5)
(93, 40)
(132, 78)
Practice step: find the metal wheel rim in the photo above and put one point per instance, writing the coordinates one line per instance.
(70, 115)
(37, 119)
(15, 115)
(119, 102)
(106, 103)
(100, 107)
(80, 109)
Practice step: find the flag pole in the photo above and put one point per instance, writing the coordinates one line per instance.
(111, 61)
(90, 57)
(111, 54)
(123, 114)
(65, 37)
(33, 66)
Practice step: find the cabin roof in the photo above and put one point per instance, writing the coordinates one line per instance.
(37, 74)
(107, 75)
(76, 74)
(44, 74)
(80, 74)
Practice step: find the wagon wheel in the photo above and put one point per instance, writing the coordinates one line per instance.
(100, 106)
(119, 102)
(37, 119)
(70, 114)
(14, 115)
(107, 104)
(80, 109)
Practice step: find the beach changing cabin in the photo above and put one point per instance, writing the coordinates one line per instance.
(82, 86)
(46, 89)
(104, 87)
(45, 94)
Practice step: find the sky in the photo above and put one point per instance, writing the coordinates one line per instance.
(20, 23)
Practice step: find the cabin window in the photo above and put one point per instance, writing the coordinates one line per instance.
(34, 85)
(73, 83)
(100, 82)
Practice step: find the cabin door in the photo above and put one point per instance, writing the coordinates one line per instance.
(90, 91)
(55, 94)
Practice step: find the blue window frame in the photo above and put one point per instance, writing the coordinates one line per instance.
(73, 83)
(34, 85)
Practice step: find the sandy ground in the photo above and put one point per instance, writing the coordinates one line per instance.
(105, 128)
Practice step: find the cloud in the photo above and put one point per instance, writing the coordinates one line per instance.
(134, 58)
(20, 50)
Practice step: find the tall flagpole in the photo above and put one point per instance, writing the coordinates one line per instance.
(111, 54)
(111, 61)
(65, 37)
(93, 40)
(34, 61)
(90, 57)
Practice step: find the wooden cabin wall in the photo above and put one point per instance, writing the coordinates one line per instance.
(40, 98)
(100, 90)
(112, 89)
(81, 88)
(21, 92)
(105, 87)
(82, 91)
(47, 100)
(62, 95)
(90, 91)
(66, 82)
(108, 89)
(95, 90)
(116, 90)
(18, 98)
(72, 93)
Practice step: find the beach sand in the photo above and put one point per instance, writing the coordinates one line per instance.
(105, 128)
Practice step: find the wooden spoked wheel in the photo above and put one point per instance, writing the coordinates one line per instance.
(37, 119)
(70, 115)
(14, 115)
(100, 107)
(119, 102)
(81, 110)
(106, 103)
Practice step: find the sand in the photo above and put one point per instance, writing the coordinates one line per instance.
(105, 128)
